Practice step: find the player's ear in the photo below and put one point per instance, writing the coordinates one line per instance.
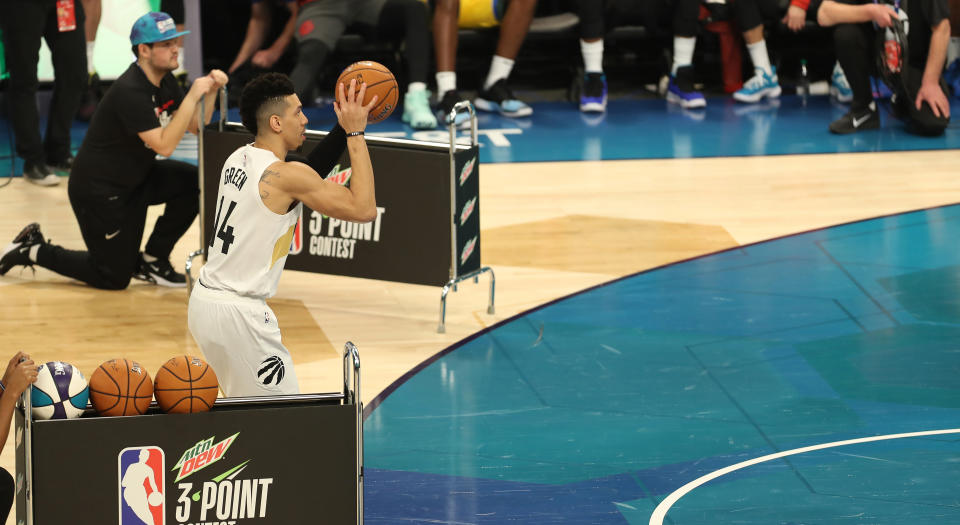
(275, 123)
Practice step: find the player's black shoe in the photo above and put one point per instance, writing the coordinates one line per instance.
(855, 120)
(17, 253)
(159, 272)
(445, 106)
(498, 98)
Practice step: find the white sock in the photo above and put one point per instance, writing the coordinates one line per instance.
(759, 57)
(149, 258)
(34, 250)
(90, 69)
(416, 86)
(682, 52)
(592, 56)
(499, 68)
(446, 81)
(953, 49)
(181, 60)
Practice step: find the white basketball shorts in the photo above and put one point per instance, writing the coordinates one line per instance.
(240, 339)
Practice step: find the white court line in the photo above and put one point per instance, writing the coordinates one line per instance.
(661, 511)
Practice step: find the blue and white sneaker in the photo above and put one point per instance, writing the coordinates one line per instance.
(680, 90)
(500, 99)
(593, 98)
(839, 87)
(759, 86)
(445, 106)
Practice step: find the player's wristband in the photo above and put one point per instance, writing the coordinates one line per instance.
(2, 387)
(355, 134)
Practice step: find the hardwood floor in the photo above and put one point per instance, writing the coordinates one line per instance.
(549, 229)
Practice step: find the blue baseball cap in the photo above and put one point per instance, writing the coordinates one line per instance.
(154, 27)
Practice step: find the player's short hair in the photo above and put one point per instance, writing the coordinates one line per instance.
(262, 97)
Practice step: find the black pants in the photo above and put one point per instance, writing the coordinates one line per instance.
(7, 489)
(599, 16)
(24, 23)
(857, 50)
(404, 20)
(112, 225)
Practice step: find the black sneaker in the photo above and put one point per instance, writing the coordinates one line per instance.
(593, 99)
(855, 121)
(63, 167)
(17, 253)
(40, 174)
(500, 99)
(450, 99)
(159, 272)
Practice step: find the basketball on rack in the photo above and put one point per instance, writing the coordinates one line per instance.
(60, 392)
(121, 387)
(185, 384)
(380, 81)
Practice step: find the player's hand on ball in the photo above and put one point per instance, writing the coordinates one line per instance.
(23, 375)
(349, 107)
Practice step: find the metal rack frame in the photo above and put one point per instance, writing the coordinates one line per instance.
(349, 396)
(455, 278)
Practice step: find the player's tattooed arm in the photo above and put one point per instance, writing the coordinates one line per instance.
(266, 178)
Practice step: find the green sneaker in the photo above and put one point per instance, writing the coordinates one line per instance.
(416, 110)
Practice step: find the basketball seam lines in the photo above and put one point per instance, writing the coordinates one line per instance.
(126, 399)
(117, 402)
(135, 396)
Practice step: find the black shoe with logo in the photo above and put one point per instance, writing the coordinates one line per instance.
(500, 99)
(450, 99)
(857, 120)
(159, 272)
(40, 174)
(17, 253)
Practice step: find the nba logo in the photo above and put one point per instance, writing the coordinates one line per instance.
(141, 471)
(296, 244)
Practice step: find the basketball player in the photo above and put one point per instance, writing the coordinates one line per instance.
(257, 209)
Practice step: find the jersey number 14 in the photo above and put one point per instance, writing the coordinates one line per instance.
(224, 232)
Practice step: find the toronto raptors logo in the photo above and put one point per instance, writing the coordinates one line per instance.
(271, 371)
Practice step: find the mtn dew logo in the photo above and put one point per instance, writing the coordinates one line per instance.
(468, 250)
(467, 170)
(341, 177)
(202, 455)
(467, 210)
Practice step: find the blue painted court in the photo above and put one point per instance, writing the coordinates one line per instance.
(593, 409)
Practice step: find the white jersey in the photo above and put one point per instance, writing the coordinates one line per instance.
(249, 242)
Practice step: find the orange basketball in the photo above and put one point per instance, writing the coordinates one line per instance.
(121, 387)
(380, 82)
(185, 384)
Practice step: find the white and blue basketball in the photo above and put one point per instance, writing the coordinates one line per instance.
(60, 392)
